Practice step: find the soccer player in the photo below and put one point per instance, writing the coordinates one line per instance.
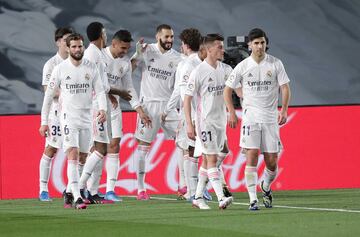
(118, 70)
(53, 139)
(207, 82)
(77, 79)
(158, 62)
(259, 76)
(190, 44)
(93, 167)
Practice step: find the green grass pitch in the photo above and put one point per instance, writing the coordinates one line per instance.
(295, 213)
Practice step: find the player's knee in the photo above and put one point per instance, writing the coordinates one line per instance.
(50, 151)
(114, 148)
(72, 153)
(101, 148)
(143, 143)
(82, 158)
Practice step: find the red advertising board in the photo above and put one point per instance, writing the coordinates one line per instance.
(321, 151)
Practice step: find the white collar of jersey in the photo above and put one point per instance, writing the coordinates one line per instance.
(167, 51)
(217, 65)
(91, 45)
(59, 56)
(193, 55)
(262, 61)
(108, 52)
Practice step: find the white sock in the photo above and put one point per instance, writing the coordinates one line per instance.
(80, 168)
(219, 162)
(140, 154)
(68, 187)
(44, 170)
(181, 169)
(187, 163)
(269, 178)
(94, 181)
(112, 169)
(89, 167)
(251, 177)
(73, 177)
(194, 172)
(203, 179)
(213, 174)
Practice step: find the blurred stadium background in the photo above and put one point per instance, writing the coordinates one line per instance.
(318, 41)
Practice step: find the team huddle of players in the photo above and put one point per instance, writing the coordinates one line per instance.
(188, 96)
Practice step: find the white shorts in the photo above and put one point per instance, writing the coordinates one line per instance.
(212, 138)
(101, 131)
(116, 124)
(54, 137)
(154, 111)
(182, 140)
(263, 136)
(198, 147)
(79, 138)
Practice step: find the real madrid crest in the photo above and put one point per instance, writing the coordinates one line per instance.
(269, 73)
(87, 76)
(121, 70)
(171, 65)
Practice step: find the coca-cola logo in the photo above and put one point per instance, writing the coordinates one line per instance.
(162, 165)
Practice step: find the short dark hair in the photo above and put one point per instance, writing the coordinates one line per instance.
(123, 35)
(163, 26)
(74, 36)
(210, 38)
(256, 33)
(94, 30)
(192, 38)
(61, 31)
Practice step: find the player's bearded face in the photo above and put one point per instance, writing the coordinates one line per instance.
(76, 49)
(78, 55)
(166, 44)
(166, 39)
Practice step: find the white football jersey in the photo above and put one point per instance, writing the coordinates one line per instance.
(94, 54)
(76, 84)
(185, 67)
(49, 67)
(46, 75)
(118, 71)
(260, 86)
(207, 84)
(158, 73)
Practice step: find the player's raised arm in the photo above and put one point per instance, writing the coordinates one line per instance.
(140, 49)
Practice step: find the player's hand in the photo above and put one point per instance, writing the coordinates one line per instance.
(114, 101)
(44, 130)
(282, 117)
(125, 95)
(163, 117)
(140, 47)
(101, 116)
(145, 119)
(232, 120)
(191, 131)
